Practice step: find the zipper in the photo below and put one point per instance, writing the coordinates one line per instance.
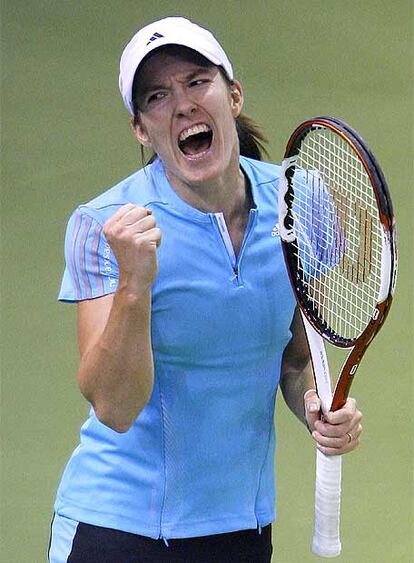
(161, 537)
(218, 219)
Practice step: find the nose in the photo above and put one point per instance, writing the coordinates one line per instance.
(184, 103)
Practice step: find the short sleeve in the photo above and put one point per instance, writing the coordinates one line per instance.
(91, 269)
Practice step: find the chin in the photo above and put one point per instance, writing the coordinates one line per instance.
(210, 167)
(203, 176)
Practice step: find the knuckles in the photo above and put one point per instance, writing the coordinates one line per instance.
(129, 226)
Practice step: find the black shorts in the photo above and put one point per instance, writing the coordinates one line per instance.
(93, 544)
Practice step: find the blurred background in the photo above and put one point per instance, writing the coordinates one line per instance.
(66, 138)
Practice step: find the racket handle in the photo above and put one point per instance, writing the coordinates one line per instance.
(326, 542)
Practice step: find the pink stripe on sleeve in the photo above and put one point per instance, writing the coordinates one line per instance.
(97, 276)
(72, 260)
(83, 274)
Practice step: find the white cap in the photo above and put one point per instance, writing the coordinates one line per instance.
(168, 31)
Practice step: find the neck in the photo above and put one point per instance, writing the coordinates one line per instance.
(228, 194)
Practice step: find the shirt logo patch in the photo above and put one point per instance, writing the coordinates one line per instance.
(275, 230)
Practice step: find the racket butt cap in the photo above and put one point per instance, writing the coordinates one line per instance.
(320, 548)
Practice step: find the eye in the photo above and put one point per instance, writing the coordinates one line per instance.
(155, 97)
(199, 82)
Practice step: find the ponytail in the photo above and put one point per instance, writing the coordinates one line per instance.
(251, 139)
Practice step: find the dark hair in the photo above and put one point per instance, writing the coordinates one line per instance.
(251, 139)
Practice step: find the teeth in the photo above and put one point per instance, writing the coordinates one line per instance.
(194, 130)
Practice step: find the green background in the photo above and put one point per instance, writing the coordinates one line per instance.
(66, 137)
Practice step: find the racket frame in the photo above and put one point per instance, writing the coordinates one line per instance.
(326, 535)
(386, 217)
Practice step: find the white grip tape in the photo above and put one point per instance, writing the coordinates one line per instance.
(326, 541)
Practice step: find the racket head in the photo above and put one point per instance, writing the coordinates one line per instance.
(338, 231)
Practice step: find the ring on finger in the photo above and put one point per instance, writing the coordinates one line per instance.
(349, 437)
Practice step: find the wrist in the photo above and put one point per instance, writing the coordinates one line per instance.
(133, 288)
(133, 295)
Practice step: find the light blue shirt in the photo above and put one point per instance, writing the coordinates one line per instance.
(199, 459)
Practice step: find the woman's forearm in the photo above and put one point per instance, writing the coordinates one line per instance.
(296, 375)
(295, 381)
(116, 372)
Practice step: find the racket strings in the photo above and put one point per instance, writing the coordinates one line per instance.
(338, 232)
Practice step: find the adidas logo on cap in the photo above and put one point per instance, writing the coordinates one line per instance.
(155, 37)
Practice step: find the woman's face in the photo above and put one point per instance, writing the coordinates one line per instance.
(187, 116)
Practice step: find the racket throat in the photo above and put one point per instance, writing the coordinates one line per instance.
(346, 378)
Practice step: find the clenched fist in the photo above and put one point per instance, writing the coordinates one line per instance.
(134, 237)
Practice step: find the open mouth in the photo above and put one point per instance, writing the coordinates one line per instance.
(195, 140)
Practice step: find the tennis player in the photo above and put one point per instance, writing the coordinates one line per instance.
(187, 326)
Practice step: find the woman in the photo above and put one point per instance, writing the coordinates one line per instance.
(186, 325)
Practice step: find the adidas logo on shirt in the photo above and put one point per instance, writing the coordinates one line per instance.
(155, 37)
(275, 230)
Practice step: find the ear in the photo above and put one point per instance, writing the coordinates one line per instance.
(237, 98)
(140, 132)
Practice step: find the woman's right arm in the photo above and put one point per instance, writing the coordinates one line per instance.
(114, 332)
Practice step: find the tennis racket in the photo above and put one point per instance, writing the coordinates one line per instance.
(338, 235)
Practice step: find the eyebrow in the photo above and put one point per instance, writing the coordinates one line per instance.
(153, 87)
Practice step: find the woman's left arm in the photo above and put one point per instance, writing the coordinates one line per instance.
(339, 431)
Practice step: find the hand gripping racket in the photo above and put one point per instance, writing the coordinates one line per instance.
(338, 236)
